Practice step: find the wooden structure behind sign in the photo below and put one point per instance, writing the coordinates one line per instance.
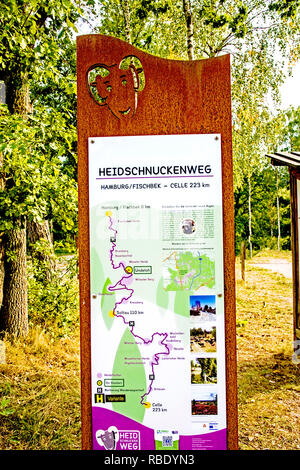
(292, 161)
(163, 97)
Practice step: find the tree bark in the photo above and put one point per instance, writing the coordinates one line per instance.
(14, 314)
(2, 269)
(243, 258)
(37, 232)
(187, 9)
(250, 216)
(126, 14)
(2, 184)
(17, 97)
(14, 311)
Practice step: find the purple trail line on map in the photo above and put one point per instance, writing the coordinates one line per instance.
(155, 359)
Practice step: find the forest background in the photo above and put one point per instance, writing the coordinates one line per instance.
(38, 137)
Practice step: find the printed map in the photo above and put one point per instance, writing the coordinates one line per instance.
(188, 271)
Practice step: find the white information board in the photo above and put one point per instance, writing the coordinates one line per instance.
(157, 292)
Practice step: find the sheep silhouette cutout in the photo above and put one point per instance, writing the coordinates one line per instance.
(117, 86)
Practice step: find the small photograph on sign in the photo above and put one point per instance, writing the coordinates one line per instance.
(203, 307)
(188, 226)
(204, 370)
(204, 403)
(203, 338)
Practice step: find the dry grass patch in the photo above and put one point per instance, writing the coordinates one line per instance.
(268, 380)
(40, 394)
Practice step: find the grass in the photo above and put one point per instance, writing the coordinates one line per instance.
(40, 382)
(269, 255)
(40, 394)
(268, 379)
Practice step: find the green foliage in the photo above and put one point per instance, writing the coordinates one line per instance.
(219, 26)
(235, 19)
(5, 402)
(286, 8)
(38, 134)
(54, 305)
(148, 20)
(28, 34)
(34, 151)
(292, 129)
(264, 211)
(5, 407)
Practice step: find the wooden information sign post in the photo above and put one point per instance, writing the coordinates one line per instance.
(156, 245)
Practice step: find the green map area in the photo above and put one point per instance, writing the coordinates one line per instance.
(189, 271)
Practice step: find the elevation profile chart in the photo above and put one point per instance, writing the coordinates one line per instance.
(157, 293)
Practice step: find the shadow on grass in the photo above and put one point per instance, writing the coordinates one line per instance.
(269, 404)
(44, 422)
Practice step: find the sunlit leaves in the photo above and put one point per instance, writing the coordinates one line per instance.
(286, 8)
(29, 32)
(34, 151)
(292, 129)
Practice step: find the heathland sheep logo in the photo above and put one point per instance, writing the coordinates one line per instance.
(114, 438)
(108, 438)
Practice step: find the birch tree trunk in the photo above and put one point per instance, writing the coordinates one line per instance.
(126, 14)
(250, 215)
(187, 9)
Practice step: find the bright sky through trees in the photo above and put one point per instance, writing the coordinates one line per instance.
(290, 91)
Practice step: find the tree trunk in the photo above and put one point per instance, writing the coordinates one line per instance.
(17, 97)
(250, 216)
(2, 184)
(1, 269)
(243, 258)
(14, 315)
(126, 14)
(187, 9)
(40, 232)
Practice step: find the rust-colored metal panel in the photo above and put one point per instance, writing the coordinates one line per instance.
(171, 97)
